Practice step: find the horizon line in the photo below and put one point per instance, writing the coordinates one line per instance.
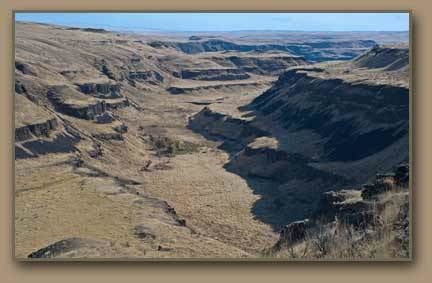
(137, 29)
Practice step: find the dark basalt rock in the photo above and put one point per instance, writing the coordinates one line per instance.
(19, 87)
(101, 90)
(345, 207)
(22, 134)
(84, 111)
(353, 207)
(266, 65)
(293, 233)
(214, 74)
(57, 248)
(182, 90)
(25, 68)
(64, 246)
(176, 90)
(104, 118)
(387, 182)
(61, 143)
(88, 110)
(38, 129)
(148, 76)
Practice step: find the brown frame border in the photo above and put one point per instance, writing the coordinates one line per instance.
(417, 271)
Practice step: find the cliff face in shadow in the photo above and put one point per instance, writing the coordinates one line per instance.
(356, 120)
(285, 180)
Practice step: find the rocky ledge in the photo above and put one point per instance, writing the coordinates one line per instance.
(101, 90)
(73, 103)
(376, 210)
(213, 74)
(31, 120)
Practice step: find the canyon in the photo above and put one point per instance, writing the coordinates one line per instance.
(229, 145)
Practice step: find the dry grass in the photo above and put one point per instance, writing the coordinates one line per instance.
(380, 239)
(28, 113)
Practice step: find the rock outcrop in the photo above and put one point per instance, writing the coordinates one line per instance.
(25, 68)
(311, 51)
(101, 90)
(221, 86)
(70, 102)
(265, 65)
(259, 159)
(65, 247)
(104, 118)
(293, 233)
(213, 74)
(236, 133)
(37, 129)
(31, 120)
(151, 76)
(386, 182)
(73, 103)
(365, 220)
(19, 87)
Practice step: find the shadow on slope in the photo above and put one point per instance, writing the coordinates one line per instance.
(289, 187)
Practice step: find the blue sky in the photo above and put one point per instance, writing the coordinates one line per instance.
(226, 21)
